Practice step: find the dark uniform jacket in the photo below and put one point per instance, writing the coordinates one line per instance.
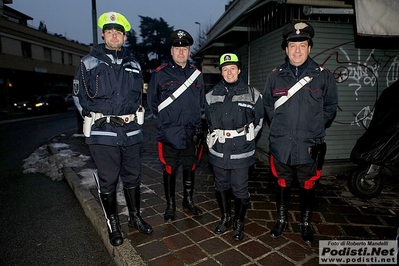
(296, 124)
(233, 107)
(105, 85)
(179, 119)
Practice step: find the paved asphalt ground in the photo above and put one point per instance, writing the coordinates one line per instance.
(190, 240)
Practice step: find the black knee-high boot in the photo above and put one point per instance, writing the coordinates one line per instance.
(132, 196)
(109, 204)
(169, 185)
(188, 190)
(283, 195)
(224, 201)
(307, 203)
(240, 209)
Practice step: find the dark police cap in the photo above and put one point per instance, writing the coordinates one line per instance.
(180, 38)
(298, 32)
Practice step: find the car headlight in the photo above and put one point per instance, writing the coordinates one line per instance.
(39, 104)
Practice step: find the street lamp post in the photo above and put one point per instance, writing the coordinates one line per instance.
(199, 27)
(199, 33)
(94, 21)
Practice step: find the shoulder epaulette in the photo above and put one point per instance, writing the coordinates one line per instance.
(195, 68)
(161, 67)
(86, 56)
(274, 70)
(90, 62)
(323, 68)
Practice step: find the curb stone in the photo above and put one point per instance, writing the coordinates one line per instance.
(125, 254)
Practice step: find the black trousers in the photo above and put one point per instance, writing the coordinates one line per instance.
(306, 174)
(171, 158)
(113, 162)
(236, 179)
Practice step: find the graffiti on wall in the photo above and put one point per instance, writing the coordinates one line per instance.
(361, 70)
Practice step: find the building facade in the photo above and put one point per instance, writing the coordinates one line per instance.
(362, 66)
(33, 61)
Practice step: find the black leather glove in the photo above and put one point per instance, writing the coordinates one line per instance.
(86, 113)
(318, 153)
(116, 121)
(100, 122)
(198, 139)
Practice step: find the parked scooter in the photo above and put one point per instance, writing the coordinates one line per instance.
(376, 152)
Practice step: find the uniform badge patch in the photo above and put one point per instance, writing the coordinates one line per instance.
(75, 86)
(279, 93)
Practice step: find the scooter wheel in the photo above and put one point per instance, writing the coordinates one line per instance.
(362, 188)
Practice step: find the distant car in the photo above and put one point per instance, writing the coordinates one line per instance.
(48, 103)
(20, 105)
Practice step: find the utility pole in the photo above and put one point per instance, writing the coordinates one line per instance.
(94, 21)
(199, 27)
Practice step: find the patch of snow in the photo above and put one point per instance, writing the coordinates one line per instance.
(42, 161)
